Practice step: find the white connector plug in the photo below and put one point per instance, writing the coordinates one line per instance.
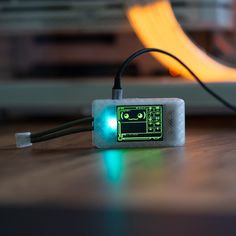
(23, 140)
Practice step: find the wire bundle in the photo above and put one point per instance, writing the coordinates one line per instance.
(63, 130)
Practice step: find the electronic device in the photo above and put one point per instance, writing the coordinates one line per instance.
(138, 123)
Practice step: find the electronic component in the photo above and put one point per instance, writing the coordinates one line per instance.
(23, 140)
(139, 122)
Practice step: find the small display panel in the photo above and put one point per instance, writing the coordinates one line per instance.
(140, 123)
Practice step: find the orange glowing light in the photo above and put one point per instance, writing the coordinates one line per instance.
(156, 26)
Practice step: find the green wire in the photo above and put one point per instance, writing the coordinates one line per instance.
(61, 127)
(60, 134)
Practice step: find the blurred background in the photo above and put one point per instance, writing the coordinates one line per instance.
(56, 56)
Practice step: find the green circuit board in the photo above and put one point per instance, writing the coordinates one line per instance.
(139, 123)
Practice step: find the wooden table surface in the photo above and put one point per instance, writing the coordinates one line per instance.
(67, 187)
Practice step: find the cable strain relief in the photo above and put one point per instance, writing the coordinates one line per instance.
(117, 93)
(23, 140)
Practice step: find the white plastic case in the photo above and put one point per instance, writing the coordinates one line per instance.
(112, 129)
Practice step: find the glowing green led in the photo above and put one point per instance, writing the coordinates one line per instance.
(112, 123)
(140, 123)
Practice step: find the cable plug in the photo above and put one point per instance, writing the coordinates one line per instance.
(23, 140)
(117, 93)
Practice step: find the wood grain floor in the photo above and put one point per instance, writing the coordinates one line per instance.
(176, 183)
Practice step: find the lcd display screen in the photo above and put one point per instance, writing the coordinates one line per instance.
(139, 123)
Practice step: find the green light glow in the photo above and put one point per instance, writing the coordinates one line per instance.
(109, 122)
(112, 123)
(140, 123)
(114, 164)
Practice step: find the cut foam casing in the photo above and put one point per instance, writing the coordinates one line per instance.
(128, 123)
